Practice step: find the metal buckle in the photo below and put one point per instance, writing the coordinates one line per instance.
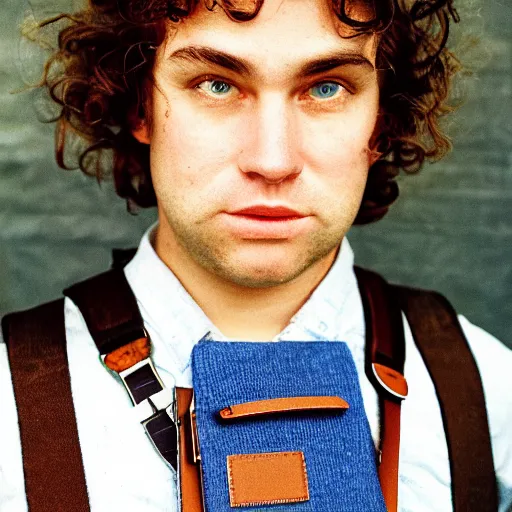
(137, 366)
(162, 430)
(160, 423)
(156, 412)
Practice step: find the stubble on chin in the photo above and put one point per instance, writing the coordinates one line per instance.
(221, 256)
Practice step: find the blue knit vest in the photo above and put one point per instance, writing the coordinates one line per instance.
(338, 449)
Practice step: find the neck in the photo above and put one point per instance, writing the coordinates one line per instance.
(238, 312)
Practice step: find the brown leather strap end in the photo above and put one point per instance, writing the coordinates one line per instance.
(391, 380)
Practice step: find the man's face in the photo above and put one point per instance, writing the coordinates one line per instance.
(259, 159)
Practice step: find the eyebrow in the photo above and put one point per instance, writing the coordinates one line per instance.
(208, 55)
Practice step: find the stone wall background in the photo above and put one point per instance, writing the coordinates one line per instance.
(451, 230)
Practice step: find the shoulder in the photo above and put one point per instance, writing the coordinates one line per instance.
(490, 353)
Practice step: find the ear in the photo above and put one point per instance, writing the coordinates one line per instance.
(141, 132)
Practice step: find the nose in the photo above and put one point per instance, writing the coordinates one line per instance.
(272, 144)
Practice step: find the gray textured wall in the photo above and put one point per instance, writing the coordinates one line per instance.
(451, 229)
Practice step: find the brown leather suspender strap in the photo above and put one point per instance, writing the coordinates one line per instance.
(109, 308)
(189, 478)
(453, 369)
(385, 357)
(52, 460)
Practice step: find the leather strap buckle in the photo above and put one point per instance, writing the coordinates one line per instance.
(154, 403)
(162, 430)
(143, 382)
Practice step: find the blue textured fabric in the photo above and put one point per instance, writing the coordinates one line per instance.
(338, 448)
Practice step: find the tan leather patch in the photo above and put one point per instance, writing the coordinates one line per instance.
(267, 479)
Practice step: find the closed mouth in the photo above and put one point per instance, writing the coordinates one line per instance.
(268, 213)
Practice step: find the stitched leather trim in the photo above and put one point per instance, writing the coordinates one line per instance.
(283, 405)
(267, 479)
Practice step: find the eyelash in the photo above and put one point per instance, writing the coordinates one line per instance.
(212, 78)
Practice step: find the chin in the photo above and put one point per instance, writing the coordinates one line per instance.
(264, 272)
(260, 279)
(263, 264)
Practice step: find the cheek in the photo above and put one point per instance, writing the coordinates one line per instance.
(194, 140)
(338, 156)
(341, 157)
(339, 145)
(191, 156)
(182, 150)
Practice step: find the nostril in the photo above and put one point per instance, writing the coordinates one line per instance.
(273, 176)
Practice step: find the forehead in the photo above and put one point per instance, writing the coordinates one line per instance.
(283, 32)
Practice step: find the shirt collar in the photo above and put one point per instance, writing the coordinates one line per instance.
(172, 317)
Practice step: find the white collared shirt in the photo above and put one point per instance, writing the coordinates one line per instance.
(114, 444)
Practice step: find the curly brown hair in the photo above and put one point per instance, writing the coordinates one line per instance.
(101, 76)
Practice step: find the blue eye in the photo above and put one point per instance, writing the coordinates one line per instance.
(326, 89)
(217, 87)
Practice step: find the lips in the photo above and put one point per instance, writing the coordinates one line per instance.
(277, 222)
(277, 212)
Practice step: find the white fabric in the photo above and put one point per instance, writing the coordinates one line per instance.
(114, 444)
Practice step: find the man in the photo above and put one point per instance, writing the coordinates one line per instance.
(260, 136)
